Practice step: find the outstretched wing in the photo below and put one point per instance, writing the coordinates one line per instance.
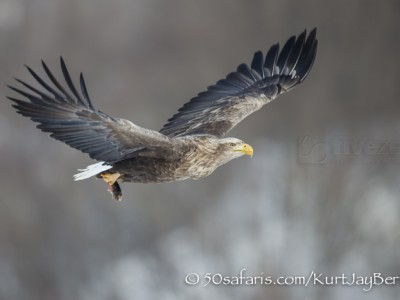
(71, 118)
(230, 100)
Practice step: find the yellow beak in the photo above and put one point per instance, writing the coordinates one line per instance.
(246, 149)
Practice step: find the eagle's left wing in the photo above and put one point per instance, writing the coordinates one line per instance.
(70, 117)
(230, 100)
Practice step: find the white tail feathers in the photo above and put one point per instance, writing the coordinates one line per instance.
(91, 170)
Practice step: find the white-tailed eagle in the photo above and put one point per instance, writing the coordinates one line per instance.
(191, 143)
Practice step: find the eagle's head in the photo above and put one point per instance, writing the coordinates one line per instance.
(212, 152)
(231, 148)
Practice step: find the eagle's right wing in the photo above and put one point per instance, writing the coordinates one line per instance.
(225, 104)
(71, 118)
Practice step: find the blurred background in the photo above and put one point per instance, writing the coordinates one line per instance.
(320, 194)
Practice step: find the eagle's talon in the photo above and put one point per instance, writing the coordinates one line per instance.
(110, 178)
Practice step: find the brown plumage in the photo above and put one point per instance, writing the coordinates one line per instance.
(191, 143)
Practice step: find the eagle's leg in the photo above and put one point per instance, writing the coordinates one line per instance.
(115, 191)
(113, 186)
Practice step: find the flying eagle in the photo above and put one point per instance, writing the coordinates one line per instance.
(191, 143)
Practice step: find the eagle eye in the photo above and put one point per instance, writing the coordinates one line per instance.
(232, 144)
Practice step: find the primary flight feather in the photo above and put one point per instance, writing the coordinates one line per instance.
(191, 143)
